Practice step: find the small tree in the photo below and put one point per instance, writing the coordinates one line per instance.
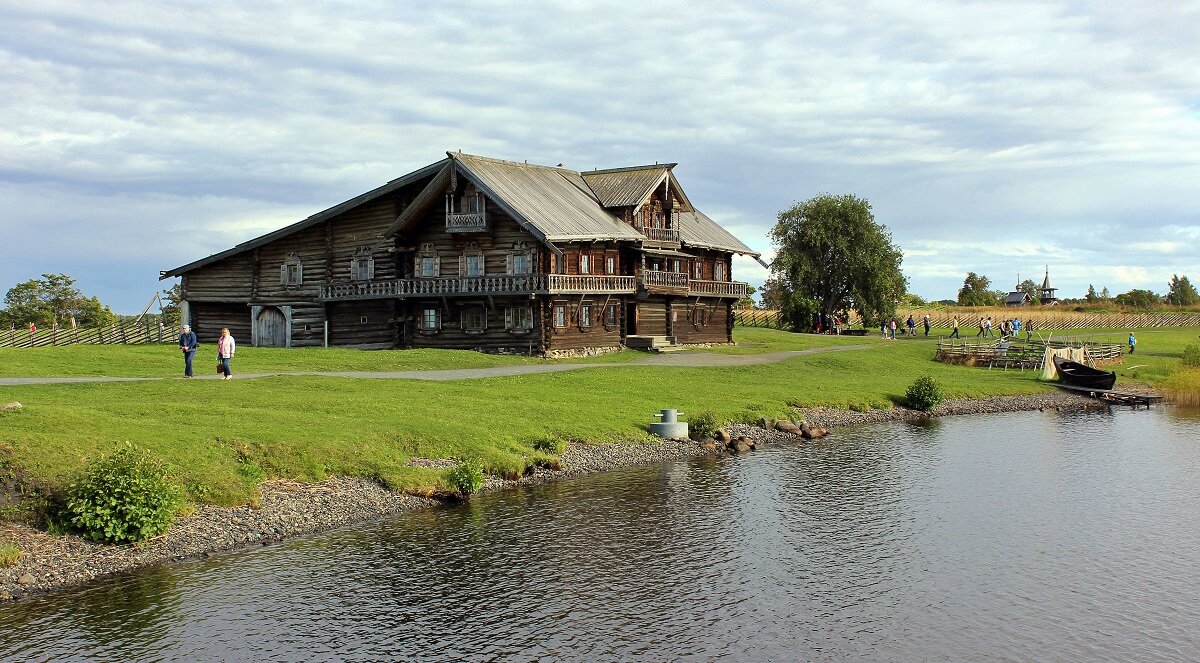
(1105, 295)
(1032, 289)
(1091, 295)
(1137, 298)
(53, 298)
(975, 291)
(1181, 292)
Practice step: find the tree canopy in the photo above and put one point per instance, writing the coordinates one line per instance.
(1139, 299)
(832, 256)
(1181, 292)
(976, 291)
(52, 298)
(1032, 289)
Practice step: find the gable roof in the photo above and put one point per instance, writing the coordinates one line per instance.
(555, 204)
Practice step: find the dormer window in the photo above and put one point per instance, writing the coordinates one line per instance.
(292, 270)
(362, 266)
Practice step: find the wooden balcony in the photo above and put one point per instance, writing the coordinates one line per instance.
(666, 283)
(662, 235)
(471, 222)
(734, 289)
(464, 286)
(586, 283)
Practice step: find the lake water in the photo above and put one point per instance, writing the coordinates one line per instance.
(1023, 537)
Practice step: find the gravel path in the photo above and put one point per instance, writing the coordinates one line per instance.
(694, 359)
(288, 509)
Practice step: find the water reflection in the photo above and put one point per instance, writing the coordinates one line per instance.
(1022, 536)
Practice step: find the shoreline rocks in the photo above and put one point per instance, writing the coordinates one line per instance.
(287, 509)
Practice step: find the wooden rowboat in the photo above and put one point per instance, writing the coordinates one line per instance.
(1080, 375)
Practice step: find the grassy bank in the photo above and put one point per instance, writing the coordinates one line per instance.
(222, 438)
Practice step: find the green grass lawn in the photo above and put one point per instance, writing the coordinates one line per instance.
(222, 438)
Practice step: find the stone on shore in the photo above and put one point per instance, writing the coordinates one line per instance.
(766, 423)
(722, 436)
(26, 579)
(785, 426)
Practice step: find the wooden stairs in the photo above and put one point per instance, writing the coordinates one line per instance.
(653, 343)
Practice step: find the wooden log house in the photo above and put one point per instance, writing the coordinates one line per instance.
(478, 253)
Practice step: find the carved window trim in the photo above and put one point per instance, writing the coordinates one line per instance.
(427, 252)
(520, 252)
(472, 263)
(362, 265)
(291, 272)
(473, 318)
(518, 319)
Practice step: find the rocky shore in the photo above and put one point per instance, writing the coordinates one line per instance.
(289, 509)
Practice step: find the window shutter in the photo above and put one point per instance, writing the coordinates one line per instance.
(283, 274)
(508, 318)
(462, 265)
(370, 268)
(437, 265)
(462, 318)
(508, 264)
(300, 273)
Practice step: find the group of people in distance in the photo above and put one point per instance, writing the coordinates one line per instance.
(887, 328)
(189, 343)
(829, 324)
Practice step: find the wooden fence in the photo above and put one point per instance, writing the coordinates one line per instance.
(1052, 318)
(1021, 355)
(753, 317)
(120, 333)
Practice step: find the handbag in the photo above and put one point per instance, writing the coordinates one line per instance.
(220, 368)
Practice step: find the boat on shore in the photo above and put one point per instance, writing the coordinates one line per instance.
(1082, 375)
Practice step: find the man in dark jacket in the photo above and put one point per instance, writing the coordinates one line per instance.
(188, 344)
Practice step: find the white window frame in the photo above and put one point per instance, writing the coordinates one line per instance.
(427, 252)
(698, 269)
(610, 315)
(560, 315)
(468, 324)
(585, 315)
(585, 263)
(610, 265)
(719, 271)
(475, 265)
(520, 318)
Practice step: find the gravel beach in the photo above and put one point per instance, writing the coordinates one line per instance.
(289, 509)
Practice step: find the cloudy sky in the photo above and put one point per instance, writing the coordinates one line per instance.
(994, 137)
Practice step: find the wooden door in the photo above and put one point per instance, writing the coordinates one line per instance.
(271, 328)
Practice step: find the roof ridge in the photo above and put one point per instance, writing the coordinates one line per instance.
(508, 162)
(625, 169)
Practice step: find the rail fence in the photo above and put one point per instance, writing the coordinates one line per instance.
(1021, 355)
(1052, 319)
(126, 333)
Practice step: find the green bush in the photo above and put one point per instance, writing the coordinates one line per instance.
(550, 444)
(9, 554)
(466, 477)
(703, 425)
(125, 496)
(924, 394)
(1191, 355)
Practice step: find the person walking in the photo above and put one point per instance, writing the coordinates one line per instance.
(911, 324)
(893, 327)
(980, 327)
(925, 322)
(1132, 342)
(1029, 329)
(188, 344)
(987, 325)
(225, 350)
(954, 328)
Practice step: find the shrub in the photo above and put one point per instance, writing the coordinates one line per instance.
(924, 394)
(125, 496)
(1191, 355)
(9, 554)
(704, 424)
(550, 444)
(466, 477)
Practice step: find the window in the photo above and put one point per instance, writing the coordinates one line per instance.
(521, 263)
(585, 315)
(429, 318)
(362, 267)
(675, 265)
(585, 263)
(362, 319)
(610, 265)
(475, 265)
(719, 271)
(698, 269)
(428, 264)
(292, 270)
(471, 262)
(610, 315)
(700, 317)
(520, 318)
(474, 318)
(560, 315)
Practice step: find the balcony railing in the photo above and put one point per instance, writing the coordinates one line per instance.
(466, 223)
(480, 285)
(717, 288)
(583, 283)
(655, 279)
(660, 234)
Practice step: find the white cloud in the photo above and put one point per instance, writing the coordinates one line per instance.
(991, 137)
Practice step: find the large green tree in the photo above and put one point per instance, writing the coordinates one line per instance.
(53, 298)
(1182, 292)
(976, 291)
(832, 256)
(1032, 289)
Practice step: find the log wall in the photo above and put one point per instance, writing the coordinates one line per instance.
(711, 327)
(453, 335)
(209, 317)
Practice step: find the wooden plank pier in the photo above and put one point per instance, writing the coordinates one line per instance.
(1115, 397)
